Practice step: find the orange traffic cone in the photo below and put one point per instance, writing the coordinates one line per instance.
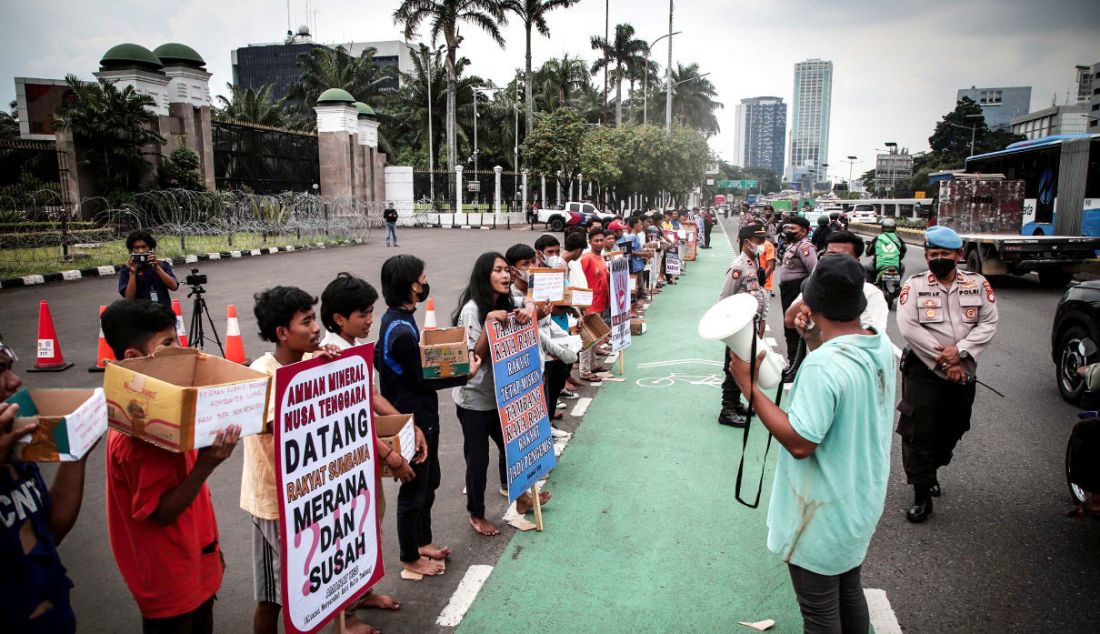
(234, 344)
(104, 354)
(49, 357)
(429, 315)
(180, 332)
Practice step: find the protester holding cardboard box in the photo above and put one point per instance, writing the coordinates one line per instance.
(160, 516)
(34, 587)
(486, 298)
(397, 359)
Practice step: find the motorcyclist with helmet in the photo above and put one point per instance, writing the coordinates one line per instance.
(886, 250)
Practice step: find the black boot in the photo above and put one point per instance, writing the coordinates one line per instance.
(934, 490)
(730, 418)
(922, 504)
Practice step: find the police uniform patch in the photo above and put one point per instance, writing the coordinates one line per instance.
(931, 313)
(930, 303)
(736, 274)
(971, 313)
(931, 278)
(989, 292)
(904, 294)
(805, 249)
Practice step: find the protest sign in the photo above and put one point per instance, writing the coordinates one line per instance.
(546, 285)
(672, 261)
(521, 404)
(620, 304)
(325, 475)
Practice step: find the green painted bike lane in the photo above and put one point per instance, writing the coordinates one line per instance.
(643, 533)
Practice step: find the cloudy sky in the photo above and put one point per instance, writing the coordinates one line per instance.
(897, 64)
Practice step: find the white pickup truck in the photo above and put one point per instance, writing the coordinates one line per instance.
(574, 213)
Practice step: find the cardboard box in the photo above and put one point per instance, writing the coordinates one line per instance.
(69, 423)
(593, 330)
(443, 353)
(578, 297)
(546, 285)
(397, 432)
(179, 398)
(637, 326)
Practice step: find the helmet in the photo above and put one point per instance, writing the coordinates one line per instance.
(822, 221)
(889, 224)
(834, 215)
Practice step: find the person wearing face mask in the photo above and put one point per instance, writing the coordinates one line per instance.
(947, 317)
(743, 277)
(798, 261)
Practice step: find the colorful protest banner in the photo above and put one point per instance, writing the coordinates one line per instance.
(620, 304)
(672, 261)
(325, 475)
(524, 420)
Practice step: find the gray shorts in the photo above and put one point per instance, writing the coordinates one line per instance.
(266, 560)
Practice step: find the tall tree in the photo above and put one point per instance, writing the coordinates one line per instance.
(250, 105)
(561, 81)
(323, 68)
(110, 126)
(533, 14)
(445, 17)
(950, 141)
(693, 103)
(622, 52)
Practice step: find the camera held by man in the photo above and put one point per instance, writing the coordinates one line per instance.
(144, 276)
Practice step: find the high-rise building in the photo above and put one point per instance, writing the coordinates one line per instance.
(1084, 84)
(893, 168)
(760, 136)
(1094, 100)
(394, 56)
(999, 105)
(810, 108)
(1071, 119)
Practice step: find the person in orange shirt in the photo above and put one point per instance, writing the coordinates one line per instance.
(767, 262)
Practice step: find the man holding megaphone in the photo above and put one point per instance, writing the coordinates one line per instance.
(830, 483)
(743, 277)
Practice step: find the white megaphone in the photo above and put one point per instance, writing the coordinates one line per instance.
(731, 322)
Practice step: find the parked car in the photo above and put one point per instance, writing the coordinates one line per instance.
(559, 219)
(1074, 337)
(864, 214)
(589, 210)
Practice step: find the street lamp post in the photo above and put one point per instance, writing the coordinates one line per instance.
(852, 160)
(645, 76)
(668, 75)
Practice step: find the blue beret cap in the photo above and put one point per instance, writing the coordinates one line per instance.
(939, 237)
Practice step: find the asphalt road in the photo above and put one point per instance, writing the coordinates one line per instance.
(997, 555)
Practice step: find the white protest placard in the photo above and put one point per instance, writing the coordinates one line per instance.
(86, 425)
(325, 475)
(580, 297)
(217, 407)
(620, 304)
(546, 285)
(672, 261)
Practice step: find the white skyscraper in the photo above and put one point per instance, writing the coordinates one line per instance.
(813, 90)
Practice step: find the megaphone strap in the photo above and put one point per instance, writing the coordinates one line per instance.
(748, 422)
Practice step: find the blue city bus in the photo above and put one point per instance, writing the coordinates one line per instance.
(1040, 164)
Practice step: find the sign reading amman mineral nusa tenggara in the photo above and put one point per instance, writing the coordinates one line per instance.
(325, 472)
(524, 420)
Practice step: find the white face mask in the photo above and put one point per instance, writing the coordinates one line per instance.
(758, 249)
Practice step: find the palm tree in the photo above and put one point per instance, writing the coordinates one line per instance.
(110, 127)
(561, 80)
(533, 14)
(621, 53)
(693, 103)
(324, 68)
(250, 106)
(445, 17)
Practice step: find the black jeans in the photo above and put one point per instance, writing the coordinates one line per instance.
(731, 394)
(415, 500)
(198, 621)
(935, 413)
(477, 428)
(788, 292)
(830, 604)
(706, 234)
(553, 382)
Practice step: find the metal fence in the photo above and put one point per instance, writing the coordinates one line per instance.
(29, 177)
(435, 190)
(264, 160)
(184, 222)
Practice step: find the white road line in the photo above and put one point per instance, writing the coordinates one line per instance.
(581, 407)
(883, 618)
(464, 596)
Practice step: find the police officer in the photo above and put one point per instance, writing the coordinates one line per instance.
(743, 277)
(947, 317)
(798, 261)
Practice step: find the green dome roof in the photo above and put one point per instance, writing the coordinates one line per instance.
(179, 53)
(364, 109)
(130, 55)
(336, 95)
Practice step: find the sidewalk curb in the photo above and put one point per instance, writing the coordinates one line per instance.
(109, 270)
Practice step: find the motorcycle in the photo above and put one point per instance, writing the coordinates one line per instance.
(1079, 453)
(888, 281)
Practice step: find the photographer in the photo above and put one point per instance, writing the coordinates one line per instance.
(144, 276)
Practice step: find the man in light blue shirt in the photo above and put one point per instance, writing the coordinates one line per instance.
(830, 483)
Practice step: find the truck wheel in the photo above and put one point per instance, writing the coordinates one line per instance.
(1054, 278)
(556, 223)
(974, 262)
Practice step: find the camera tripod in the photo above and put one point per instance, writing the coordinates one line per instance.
(196, 336)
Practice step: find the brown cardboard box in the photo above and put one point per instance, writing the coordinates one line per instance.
(443, 353)
(397, 432)
(593, 330)
(179, 398)
(69, 423)
(578, 297)
(637, 326)
(546, 286)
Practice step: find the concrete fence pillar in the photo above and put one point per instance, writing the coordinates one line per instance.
(557, 186)
(580, 186)
(542, 199)
(458, 189)
(496, 190)
(524, 181)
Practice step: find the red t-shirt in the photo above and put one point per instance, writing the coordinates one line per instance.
(170, 570)
(595, 271)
